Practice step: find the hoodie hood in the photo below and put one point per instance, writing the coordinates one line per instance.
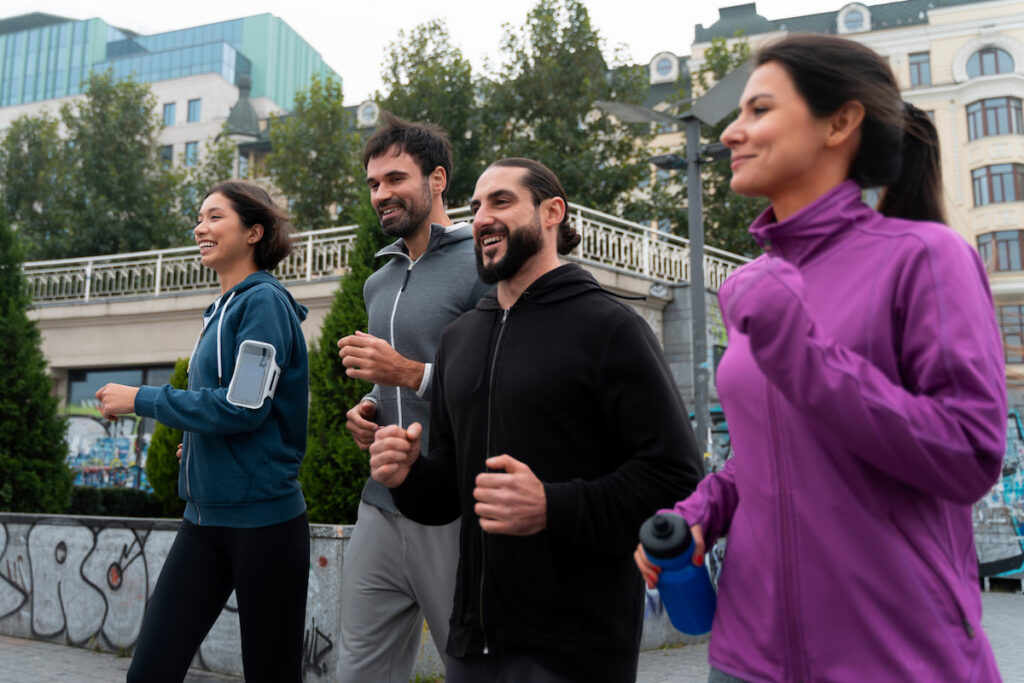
(562, 283)
(440, 236)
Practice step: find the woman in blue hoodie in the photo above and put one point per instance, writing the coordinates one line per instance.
(245, 526)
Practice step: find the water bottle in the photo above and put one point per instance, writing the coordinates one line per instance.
(685, 588)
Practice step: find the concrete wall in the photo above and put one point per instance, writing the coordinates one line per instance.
(85, 581)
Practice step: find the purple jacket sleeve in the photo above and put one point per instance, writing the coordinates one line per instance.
(712, 505)
(941, 427)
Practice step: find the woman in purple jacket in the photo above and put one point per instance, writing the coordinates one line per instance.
(864, 389)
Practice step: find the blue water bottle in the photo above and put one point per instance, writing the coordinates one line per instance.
(685, 589)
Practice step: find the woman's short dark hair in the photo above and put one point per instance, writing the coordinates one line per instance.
(426, 143)
(899, 148)
(544, 184)
(255, 206)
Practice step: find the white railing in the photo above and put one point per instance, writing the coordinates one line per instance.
(607, 242)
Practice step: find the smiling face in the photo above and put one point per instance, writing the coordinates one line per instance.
(225, 243)
(776, 142)
(399, 192)
(507, 228)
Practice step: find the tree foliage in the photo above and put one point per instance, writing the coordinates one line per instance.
(101, 186)
(34, 476)
(161, 459)
(727, 214)
(218, 163)
(334, 470)
(316, 155)
(120, 197)
(540, 104)
(426, 78)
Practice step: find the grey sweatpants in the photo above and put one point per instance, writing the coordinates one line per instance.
(396, 572)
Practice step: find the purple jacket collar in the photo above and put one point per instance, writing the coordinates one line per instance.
(801, 235)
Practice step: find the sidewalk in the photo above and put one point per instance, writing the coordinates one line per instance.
(29, 661)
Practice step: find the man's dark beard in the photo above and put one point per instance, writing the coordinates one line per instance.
(520, 246)
(413, 214)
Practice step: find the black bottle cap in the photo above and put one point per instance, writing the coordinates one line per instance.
(665, 535)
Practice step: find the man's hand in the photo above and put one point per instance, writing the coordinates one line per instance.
(372, 359)
(393, 452)
(510, 502)
(651, 572)
(116, 399)
(178, 454)
(360, 423)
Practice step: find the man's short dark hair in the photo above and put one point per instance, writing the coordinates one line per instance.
(427, 143)
(543, 184)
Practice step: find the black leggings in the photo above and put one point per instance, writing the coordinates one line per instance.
(267, 567)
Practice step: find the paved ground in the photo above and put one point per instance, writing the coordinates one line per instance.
(28, 661)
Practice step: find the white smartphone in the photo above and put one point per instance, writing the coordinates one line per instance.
(256, 375)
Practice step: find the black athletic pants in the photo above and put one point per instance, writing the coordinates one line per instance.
(267, 567)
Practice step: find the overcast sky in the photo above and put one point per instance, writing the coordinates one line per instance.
(353, 36)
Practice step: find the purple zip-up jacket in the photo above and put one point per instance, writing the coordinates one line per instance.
(865, 395)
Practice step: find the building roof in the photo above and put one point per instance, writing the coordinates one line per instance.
(744, 19)
(26, 22)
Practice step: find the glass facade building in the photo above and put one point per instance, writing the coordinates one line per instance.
(44, 56)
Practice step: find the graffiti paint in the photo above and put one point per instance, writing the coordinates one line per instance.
(107, 453)
(999, 516)
(87, 581)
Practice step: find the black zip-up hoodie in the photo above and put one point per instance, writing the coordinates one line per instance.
(574, 383)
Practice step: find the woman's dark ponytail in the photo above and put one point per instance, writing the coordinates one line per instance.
(899, 148)
(917, 191)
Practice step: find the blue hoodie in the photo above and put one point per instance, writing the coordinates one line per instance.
(240, 466)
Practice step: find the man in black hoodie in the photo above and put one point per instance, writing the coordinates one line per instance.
(556, 429)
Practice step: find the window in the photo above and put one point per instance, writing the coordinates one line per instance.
(994, 116)
(169, 114)
(988, 61)
(167, 155)
(243, 164)
(854, 20)
(1001, 251)
(664, 66)
(998, 183)
(191, 153)
(193, 111)
(1011, 323)
(920, 69)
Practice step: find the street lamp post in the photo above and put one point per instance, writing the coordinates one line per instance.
(709, 108)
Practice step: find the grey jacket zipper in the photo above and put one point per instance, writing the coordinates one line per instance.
(487, 454)
(391, 325)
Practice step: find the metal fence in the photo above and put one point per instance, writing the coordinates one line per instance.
(607, 241)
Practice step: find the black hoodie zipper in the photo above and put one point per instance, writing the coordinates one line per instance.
(487, 454)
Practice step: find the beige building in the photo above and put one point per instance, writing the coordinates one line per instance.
(963, 62)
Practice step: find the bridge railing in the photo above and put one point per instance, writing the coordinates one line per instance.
(607, 241)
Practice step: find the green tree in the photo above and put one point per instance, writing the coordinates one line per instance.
(540, 104)
(217, 164)
(161, 458)
(34, 476)
(426, 78)
(32, 166)
(120, 196)
(334, 469)
(315, 157)
(727, 214)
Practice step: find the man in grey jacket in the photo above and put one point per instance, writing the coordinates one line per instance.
(398, 571)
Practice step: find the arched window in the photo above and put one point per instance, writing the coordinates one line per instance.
(854, 21)
(988, 61)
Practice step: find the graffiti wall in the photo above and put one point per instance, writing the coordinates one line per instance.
(999, 516)
(85, 581)
(106, 452)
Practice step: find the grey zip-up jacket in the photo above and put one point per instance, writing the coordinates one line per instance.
(409, 303)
